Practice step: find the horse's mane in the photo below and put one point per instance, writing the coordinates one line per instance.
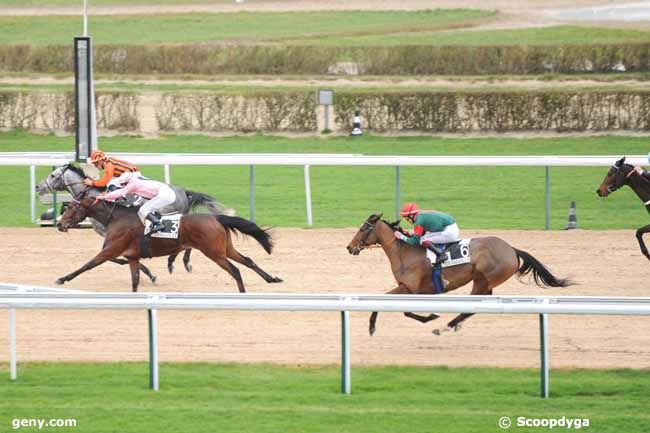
(77, 170)
(394, 225)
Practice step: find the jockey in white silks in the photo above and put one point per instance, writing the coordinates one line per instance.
(158, 193)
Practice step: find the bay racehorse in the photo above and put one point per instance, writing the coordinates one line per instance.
(619, 175)
(209, 233)
(69, 177)
(493, 261)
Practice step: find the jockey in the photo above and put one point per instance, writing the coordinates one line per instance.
(112, 167)
(158, 193)
(429, 228)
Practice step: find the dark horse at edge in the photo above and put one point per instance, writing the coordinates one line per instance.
(619, 175)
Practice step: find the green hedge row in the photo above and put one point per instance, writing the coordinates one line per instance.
(122, 111)
(395, 60)
(116, 111)
(264, 111)
(559, 111)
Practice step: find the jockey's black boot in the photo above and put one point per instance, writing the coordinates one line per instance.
(440, 255)
(156, 223)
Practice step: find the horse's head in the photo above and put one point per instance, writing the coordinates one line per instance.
(61, 179)
(76, 212)
(616, 177)
(53, 182)
(366, 236)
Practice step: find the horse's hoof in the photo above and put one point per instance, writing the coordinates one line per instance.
(60, 281)
(371, 331)
(276, 280)
(154, 279)
(441, 331)
(170, 269)
(188, 267)
(457, 328)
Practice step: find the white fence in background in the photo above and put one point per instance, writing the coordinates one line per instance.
(14, 297)
(33, 159)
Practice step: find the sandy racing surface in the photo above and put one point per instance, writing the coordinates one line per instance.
(315, 261)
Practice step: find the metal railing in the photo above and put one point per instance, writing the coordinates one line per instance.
(25, 297)
(34, 159)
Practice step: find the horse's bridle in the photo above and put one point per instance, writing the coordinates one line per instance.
(611, 187)
(66, 185)
(366, 229)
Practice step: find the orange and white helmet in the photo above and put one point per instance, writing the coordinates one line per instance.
(98, 156)
(409, 209)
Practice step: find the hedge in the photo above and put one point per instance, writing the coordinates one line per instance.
(559, 111)
(440, 111)
(319, 60)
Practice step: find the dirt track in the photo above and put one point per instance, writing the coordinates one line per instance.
(315, 261)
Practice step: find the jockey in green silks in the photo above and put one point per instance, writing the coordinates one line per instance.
(429, 228)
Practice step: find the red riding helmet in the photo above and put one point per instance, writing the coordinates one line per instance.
(98, 156)
(409, 209)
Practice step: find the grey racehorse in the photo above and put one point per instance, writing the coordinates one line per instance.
(70, 178)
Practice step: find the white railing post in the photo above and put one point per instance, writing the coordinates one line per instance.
(544, 368)
(12, 344)
(310, 221)
(32, 191)
(547, 196)
(251, 183)
(153, 350)
(168, 176)
(346, 376)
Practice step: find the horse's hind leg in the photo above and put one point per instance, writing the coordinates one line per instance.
(186, 260)
(422, 319)
(228, 267)
(481, 287)
(170, 262)
(249, 263)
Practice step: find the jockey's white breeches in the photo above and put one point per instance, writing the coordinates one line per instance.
(165, 196)
(451, 233)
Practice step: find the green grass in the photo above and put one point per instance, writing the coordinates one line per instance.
(556, 35)
(220, 27)
(263, 398)
(479, 197)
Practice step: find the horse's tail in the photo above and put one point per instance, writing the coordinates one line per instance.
(196, 199)
(248, 228)
(541, 275)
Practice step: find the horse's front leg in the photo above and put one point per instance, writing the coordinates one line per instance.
(399, 290)
(104, 255)
(639, 237)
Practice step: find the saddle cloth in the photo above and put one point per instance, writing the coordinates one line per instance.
(171, 224)
(456, 253)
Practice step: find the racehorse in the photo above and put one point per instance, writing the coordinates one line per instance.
(209, 233)
(493, 261)
(621, 174)
(70, 178)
